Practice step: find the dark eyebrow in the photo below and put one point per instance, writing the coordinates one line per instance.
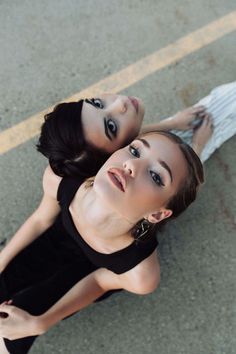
(144, 142)
(106, 129)
(162, 163)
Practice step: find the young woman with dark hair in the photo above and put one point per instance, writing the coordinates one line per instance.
(78, 137)
(66, 256)
(89, 238)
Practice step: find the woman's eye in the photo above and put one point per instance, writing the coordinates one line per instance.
(98, 103)
(112, 126)
(95, 102)
(157, 178)
(134, 151)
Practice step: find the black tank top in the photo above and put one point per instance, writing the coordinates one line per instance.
(118, 262)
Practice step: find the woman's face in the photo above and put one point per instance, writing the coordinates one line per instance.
(110, 121)
(137, 181)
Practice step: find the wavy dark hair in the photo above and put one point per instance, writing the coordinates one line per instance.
(188, 188)
(62, 141)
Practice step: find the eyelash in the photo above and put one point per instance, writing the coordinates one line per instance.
(96, 102)
(111, 127)
(136, 153)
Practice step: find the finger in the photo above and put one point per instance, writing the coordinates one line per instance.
(205, 121)
(210, 119)
(210, 116)
(199, 109)
(211, 122)
(202, 114)
(197, 123)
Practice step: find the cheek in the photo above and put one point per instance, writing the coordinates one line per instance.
(116, 159)
(136, 206)
(133, 125)
(149, 198)
(129, 133)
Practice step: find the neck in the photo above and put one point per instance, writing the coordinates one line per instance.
(100, 219)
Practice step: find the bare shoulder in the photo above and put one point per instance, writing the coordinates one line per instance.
(145, 277)
(51, 182)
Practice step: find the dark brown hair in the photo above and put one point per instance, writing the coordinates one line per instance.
(62, 141)
(187, 191)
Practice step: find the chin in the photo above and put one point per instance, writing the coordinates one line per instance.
(107, 193)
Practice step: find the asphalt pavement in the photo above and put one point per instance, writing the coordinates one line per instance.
(53, 49)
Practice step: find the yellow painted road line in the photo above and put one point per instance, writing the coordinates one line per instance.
(124, 78)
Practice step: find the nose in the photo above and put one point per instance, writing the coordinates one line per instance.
(131, 167)
(119, 105)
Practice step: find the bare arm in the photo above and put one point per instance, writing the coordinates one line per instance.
(37, 223)
(142, 279)
(182, 120)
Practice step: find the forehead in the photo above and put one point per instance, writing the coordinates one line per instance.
(108, 95)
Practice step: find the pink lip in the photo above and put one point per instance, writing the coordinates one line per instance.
(118, 178)
(134, 102)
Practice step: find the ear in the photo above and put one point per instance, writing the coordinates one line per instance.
(159, 216)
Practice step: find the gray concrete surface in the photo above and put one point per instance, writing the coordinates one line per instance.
(52, 49)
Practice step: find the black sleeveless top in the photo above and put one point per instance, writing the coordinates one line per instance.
(118, 262)
(51, 265)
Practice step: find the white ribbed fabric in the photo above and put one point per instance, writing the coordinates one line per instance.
(221, 103)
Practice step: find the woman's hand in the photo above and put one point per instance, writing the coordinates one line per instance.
(202, 134)
(16, 323)
(186, 119)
